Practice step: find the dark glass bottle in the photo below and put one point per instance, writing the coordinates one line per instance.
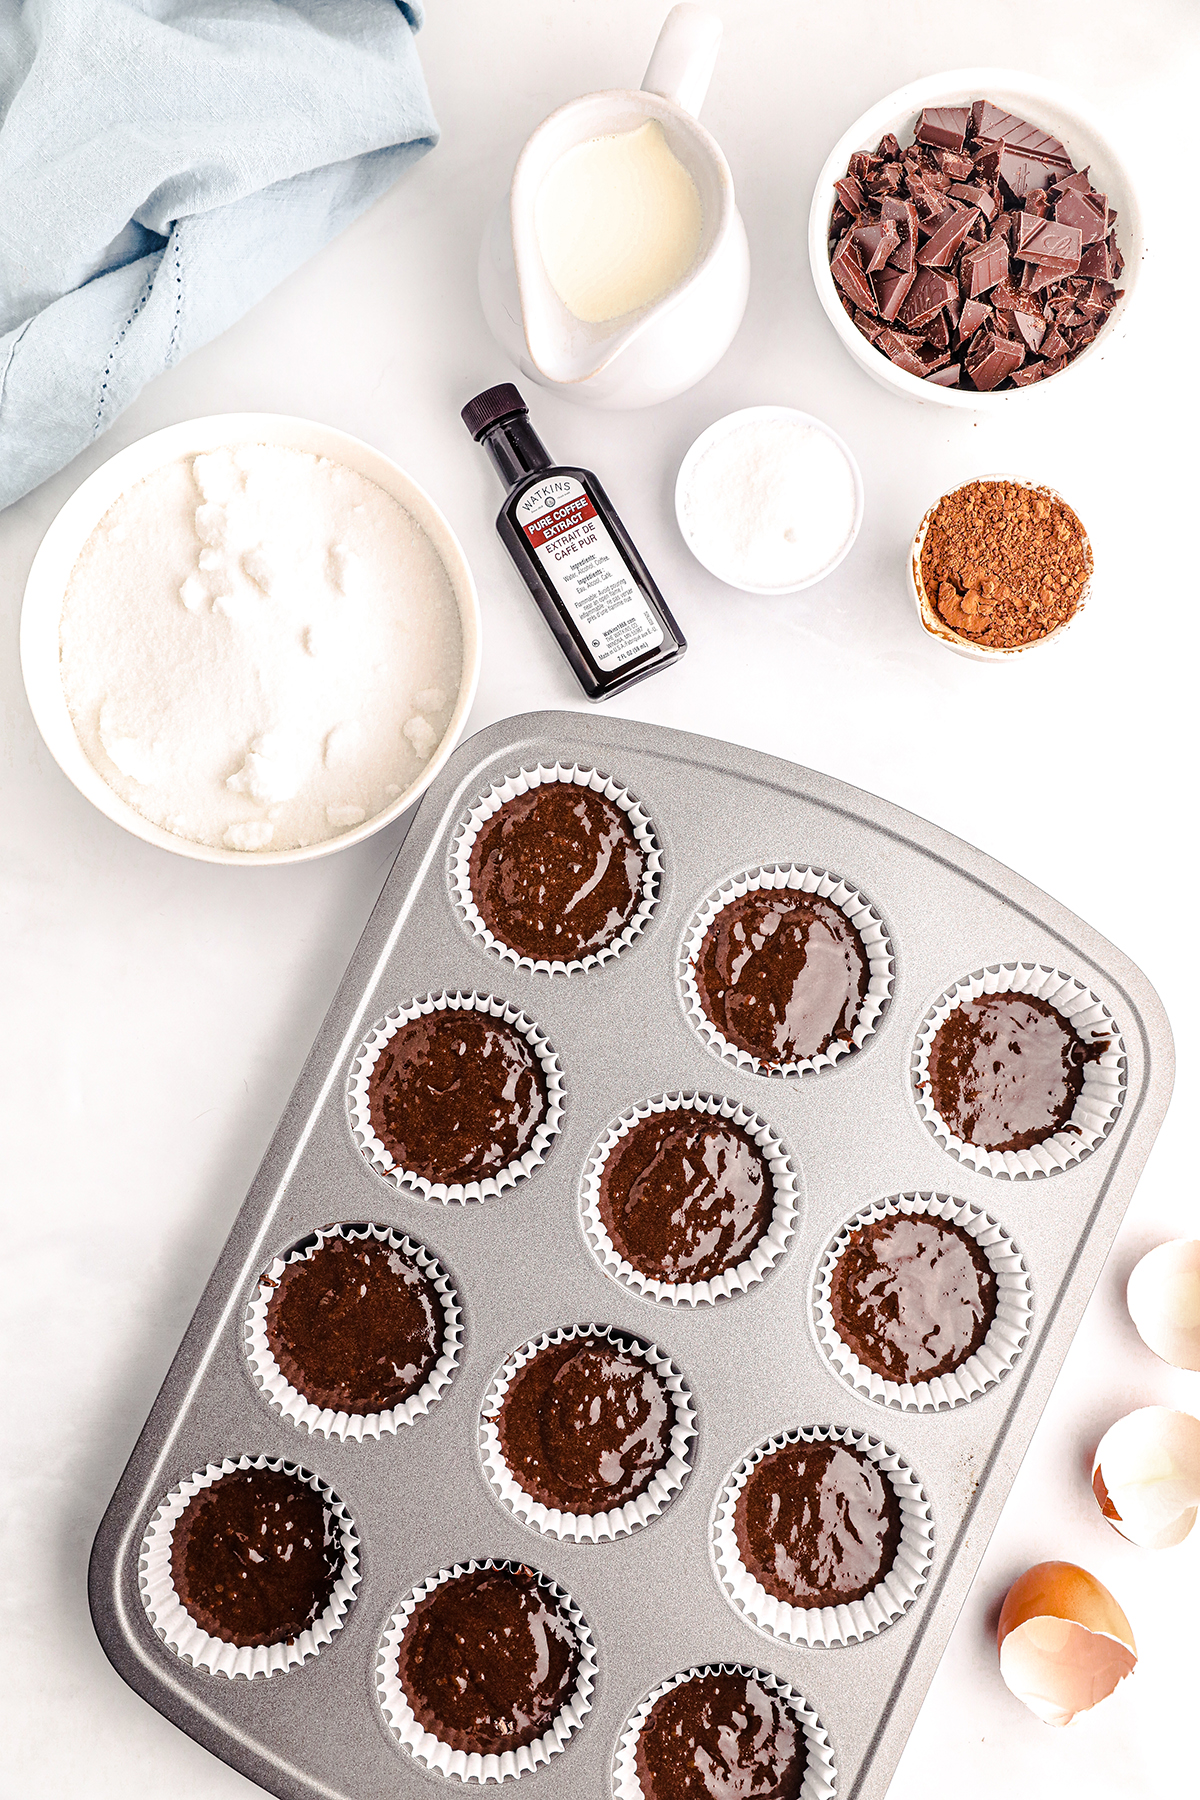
(575, 556)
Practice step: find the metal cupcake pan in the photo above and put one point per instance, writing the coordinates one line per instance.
(520, 1265)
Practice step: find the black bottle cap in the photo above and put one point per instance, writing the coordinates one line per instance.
(494, 403)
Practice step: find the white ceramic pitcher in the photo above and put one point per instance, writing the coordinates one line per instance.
(663, 348)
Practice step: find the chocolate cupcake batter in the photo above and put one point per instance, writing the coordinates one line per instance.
(817, 1524)
(356, 1326)
(912, 1297)
(720, 1737)
(456, 1095)
(781, 974)
(585, 1425)
(685, 1195)
(1006, 1070)
(488, 1660)
(255, 1557)
(556, 873)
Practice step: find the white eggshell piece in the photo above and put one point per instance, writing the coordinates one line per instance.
(1058, 1668)
(1164, 1301)
(1148, 1465)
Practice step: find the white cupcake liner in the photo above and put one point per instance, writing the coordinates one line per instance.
(521, 783)
(820, 1776)
(176, 1626)
(766, 1252)
(1103, 1086)
(431, 1750)
(1000, 1348)
(852, 1621)
(294, 1405)
(861, 914)
(382, 1160)
(592, 1528)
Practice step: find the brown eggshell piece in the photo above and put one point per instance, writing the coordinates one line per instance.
(1064, 1642)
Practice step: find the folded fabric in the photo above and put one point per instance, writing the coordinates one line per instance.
(163, 164)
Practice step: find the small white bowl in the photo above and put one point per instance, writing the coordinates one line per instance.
(73, 524)
(1043, 103)
(928, 614)
(721, 428)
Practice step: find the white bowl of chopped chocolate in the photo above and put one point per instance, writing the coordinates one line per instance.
(973, 235)
(999, 565)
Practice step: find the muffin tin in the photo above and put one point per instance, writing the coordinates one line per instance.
(420, 1499)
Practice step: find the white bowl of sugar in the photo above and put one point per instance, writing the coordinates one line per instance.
(769, 500)
(250, 639)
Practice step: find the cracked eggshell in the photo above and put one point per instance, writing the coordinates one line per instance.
(1146, 1476)
(1064, 1642)
(1163, 1297)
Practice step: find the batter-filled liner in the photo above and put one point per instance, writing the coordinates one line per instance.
(380, 1157)
(430, 1750)
(868, 925)
(1098, 1103)
(527, 781)
(618, 1521)
(1006, 1335)
(180, 1631)
(329, 1422)
(852, 1621)
(765, 1253)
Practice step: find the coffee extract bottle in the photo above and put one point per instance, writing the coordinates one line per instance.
(575, 556)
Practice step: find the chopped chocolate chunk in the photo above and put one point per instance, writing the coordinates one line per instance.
(1047, 242)
(929, 293)
(974, 314)
(945, 377)
(903, 350)
(875, 243)
(992, 126)
(1022, 174)
(849, 275)
(982, 198)
(991, 358)
(1032, 328)
(958, 168)
(983, 266)
(1088, 211)
(938, 253)
(943, 125)
(850, 194)
(892, 285)
(904, 215)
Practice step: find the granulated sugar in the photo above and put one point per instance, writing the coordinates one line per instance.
(770, 503)
(260, 648)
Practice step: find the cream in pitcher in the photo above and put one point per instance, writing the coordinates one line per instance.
(618, 221)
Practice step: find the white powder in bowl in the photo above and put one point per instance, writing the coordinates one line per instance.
(770, 502)
(260, 648)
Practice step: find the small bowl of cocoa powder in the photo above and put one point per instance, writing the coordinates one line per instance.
(999, 565)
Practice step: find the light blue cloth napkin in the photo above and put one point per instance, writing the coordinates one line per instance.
(163, 164)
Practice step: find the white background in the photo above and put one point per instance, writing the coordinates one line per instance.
(157, 1011)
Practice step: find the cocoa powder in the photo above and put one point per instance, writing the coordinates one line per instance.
(1004, 564)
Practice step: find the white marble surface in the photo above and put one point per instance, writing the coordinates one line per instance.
(156, 1011)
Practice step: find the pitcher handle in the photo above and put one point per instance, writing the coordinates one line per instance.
(682, 60)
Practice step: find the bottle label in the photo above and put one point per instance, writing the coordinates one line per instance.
(587, 572)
